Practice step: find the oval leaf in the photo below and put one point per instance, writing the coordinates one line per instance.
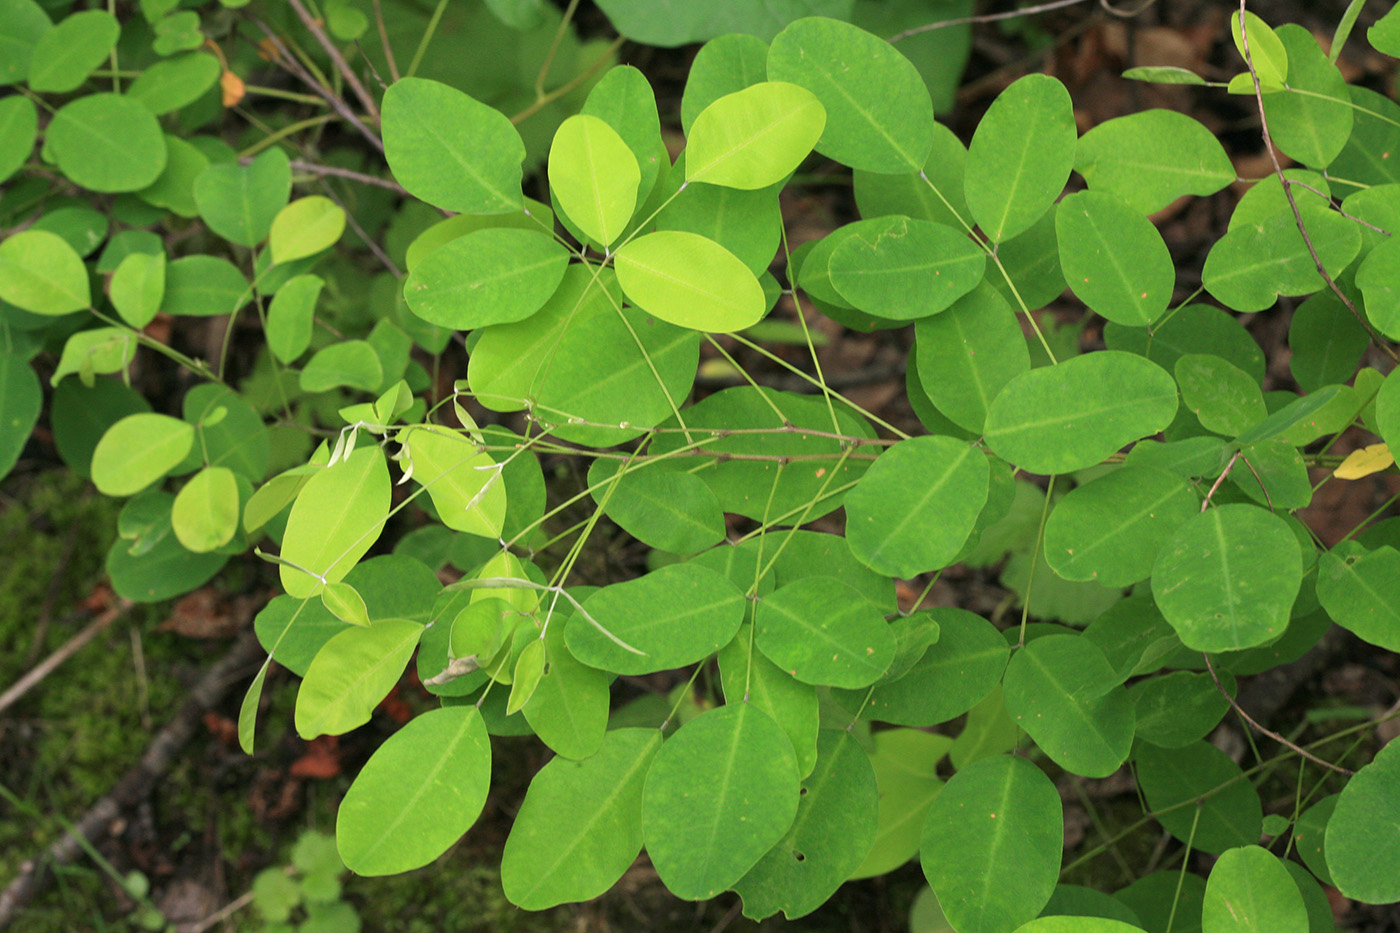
(1113, 258)
(686, 279)
(492, 276)
(335, 519)
(903, 269)
(1150, 159)
(1363, 833)
(821, 632)
(351, 674)
(205, 514)
(755, 137)
(1250, 891)
(594, 175)
(138, 450)
(40, 272)
(305, 227)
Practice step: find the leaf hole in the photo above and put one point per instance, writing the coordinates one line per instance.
(798, 856)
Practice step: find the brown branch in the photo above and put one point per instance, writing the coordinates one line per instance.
(315, 169)
(137, 783)
(1268, 732)
(984, 18)
(339, 61)
(384, 41)
(69, 648)
(1293, 204)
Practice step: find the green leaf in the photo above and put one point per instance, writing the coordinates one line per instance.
(351, 363)
(175, 82)
(1151, 158)
(879, 117)
(1363, 833)
(290, 316)
(916, 506)
(1267, 54)
(174, 188)
(1377, 278)
(304, 228)
(1071, 416)
(666, 509)
(239, 202)
(451, 150)
(1257, 261)
(976, 347)
(623, 99)
(821, 632)
(203, 286)
(1360, 590)
(19, 126)
(418, 793)
(724, 65)
(462, 479)
(991, 844)
(669, 23)
(205, 514)
(345, 603)
(831, 835)
(953, 676)
(580, 827)
(1029, 274)
(137, 288)
(97, 351)
(569, 708)
(1227, 810)
(934, 193)
(1078, 924)
(335, 519)
(1313, 120)
(1384, 34)
(1224, 397)
(688, 280)
(594, 175)
(1112, 528)
(491, 276)
(65, 55)
(1374, 133)
(1310, 833)
(755, 137)
(22, 24)
(1064, 693)
(1250, 890)
(238, 440)
(41, 273)
(673, 616)
(138, 450)
(1020, 156)
(721, 792)
(107, 143)
(906, 776)
(748, 677)
(1177, 709)
(904, 269)
(1164, 74)
(747, 223)
(1113, 258)
(1228, 578)
(529, 668)
(351, 674)
(21, 398)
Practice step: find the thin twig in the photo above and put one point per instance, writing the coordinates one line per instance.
(368, 240)
(1205, 503)
(1293, 204)
(384, 41)
(984, 18)
(337, 59)
(69, 648)
(1268, 732)
(299, 165)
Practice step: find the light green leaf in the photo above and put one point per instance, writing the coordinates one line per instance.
(529, 668)
(991, 844)
(1250, 891)
(594, 175)
(674, 616)
(879, 116)
(462, 479)
(305, 227)
(1071, 416)
(1111, 529)
(1224, 397)
(1312, 121)
(1363, 833)
(451, 150)
(1360, 590)
(418, 793)
(821, 632)
(40, 272)
(138, 450)
(1164, 74)
(1257, 261)
(747, 223)
(19, 126)
(831, 835)
(137, 288)
(691, 281)
(904, 269)
(906, 776)
(749, 677)
(492, 276)
(351, 674)
(344, 602)
(65, 55)
(1064, 693)
(1226, 811)
(1267, 54)
(335, 519)
(239, 202)
(623, 99)
(915, 507)
(175, 82)
(1228, 578)
(1151, 158)
(721, 792)
(1113, 258)
(1078, 924)
(350, 363)
(205, 514)
(94, 352)
(755, 137)
(1020, 157)
(975, 347)
(569, 708)
(107, 143)
(290, 316)
(580, 826)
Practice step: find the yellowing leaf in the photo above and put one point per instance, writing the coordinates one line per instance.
(1365, 461)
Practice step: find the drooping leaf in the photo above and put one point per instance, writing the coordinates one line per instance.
(915, 507)
(1020, 156)
(1151, 158)
(463, 480)
(418, 793)
(594, 176)
(1113, 258)
(721, 792)
(1064, 693)
(490, 276)
(754, 137)
(107, 142)
(904, 269)
(1228, 578)
(1250, 891)
(1071, 416)
(41, 273)
(580, 826)
(451, 150)
(991, 844)
(691, 281)
(335, 519)
(1226, 811)
(821, 632)
(879, 116)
